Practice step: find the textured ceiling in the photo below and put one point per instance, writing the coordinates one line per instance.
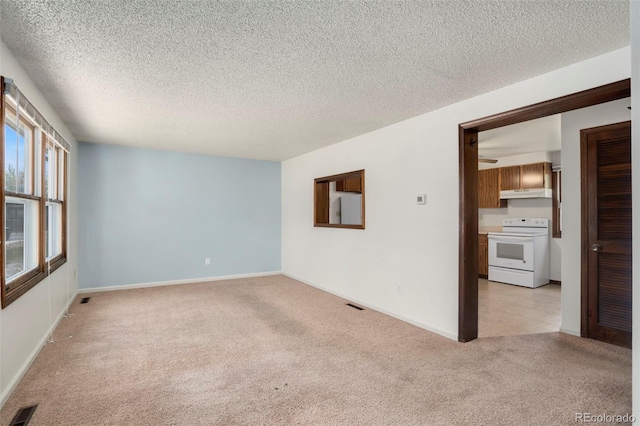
(275, 79)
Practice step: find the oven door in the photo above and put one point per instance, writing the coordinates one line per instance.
(509, 251)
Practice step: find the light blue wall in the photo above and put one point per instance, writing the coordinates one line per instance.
(148, 216)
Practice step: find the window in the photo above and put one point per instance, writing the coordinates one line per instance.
(18, 147)
(33, 195)
(339, 201)
(53, 180)
(21, 209)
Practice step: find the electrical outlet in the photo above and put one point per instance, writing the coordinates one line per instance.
(207, 261)
(398, 289)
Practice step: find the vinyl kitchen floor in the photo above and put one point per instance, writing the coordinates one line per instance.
(509, 310)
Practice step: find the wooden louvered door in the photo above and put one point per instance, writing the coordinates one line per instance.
(606, 245)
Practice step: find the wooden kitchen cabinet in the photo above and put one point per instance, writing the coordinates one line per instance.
(533, 176)
(483, 256)
(489, 189)
(510, 178)
(526, 176)
(349, 185)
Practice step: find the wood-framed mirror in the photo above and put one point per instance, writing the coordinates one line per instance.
(339, 201)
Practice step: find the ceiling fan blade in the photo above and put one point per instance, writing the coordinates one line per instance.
(487, 160)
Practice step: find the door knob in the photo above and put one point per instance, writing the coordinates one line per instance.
(596, 247)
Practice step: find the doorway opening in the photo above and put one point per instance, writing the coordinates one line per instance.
(468, 194)
(519, 247)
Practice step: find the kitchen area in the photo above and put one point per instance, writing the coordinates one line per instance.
(519, 240)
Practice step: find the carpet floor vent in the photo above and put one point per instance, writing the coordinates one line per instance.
(355, 307)
(23, 417)
(85, 300)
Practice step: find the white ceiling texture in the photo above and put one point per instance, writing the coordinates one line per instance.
(275, 79)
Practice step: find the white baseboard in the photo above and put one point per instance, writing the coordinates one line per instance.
(34, 354)
(570, 331)
(377, 308)
(176, 282)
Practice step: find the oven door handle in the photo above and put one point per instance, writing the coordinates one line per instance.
(509, 239)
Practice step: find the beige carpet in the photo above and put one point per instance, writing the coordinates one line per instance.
(271, 350)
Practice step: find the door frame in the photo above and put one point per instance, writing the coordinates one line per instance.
(468, 185)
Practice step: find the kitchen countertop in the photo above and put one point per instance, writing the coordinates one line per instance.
(486, 229)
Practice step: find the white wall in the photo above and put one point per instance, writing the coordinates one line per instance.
(26, 323)
(635, 172)
(404, 243)
(528, 207)
(572, 123)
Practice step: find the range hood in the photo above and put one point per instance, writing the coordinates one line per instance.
(525, 193)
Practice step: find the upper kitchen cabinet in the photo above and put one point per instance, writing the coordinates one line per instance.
(510, 178)
(489, 189)
(526, 176)
(536, 176)
(349, 185)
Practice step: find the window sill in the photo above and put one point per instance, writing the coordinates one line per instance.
(337, 225)
(18, 290)
(30, 281)
(57, 262)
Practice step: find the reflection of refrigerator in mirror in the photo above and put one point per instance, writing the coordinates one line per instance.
(351, 209)
(334, 211)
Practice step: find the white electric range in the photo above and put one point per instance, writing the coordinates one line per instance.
(520, 253)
